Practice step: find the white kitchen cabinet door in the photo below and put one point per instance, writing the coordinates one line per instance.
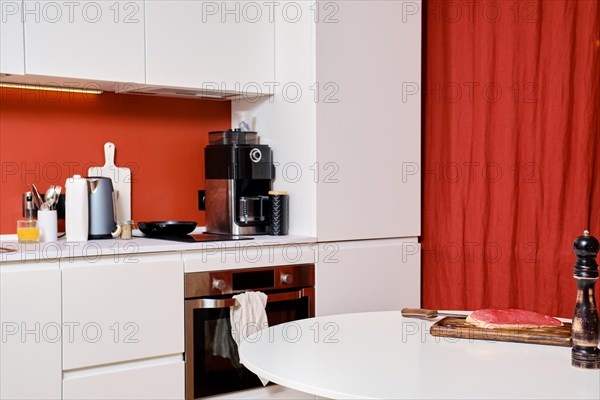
(370, 275)
(121, 308)
(30, 354)
(158, 379)
(227, 45)
(100, 40)
(368, 65)
(12, 54)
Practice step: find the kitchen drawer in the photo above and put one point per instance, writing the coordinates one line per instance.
(153, 379)
(217, 257)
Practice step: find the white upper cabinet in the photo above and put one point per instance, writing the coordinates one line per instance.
(121, 308)
(99, 40)
(12, 57)
(210, 45)
(30, 360)
(368, 65)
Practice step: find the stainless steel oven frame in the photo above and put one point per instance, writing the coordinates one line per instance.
(290, 282)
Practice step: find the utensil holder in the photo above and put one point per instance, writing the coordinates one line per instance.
(48, 224)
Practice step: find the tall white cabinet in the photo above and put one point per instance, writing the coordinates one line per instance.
(368, 121)
(345, 122)
(348, 148)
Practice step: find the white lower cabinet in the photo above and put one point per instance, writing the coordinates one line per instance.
(368, 275)
(153, 379)
(118, 309)
(30, 360)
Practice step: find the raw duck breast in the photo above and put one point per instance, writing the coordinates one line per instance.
(510, 319)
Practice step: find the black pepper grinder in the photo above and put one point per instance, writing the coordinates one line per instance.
(586, 325)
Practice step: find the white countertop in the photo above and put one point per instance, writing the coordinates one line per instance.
(385, 356)
(138, 245)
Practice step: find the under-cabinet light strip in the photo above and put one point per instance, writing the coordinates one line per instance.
(50, 88)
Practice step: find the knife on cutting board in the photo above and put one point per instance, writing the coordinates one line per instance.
(428, 314)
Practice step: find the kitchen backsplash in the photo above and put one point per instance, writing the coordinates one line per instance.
(46, 137)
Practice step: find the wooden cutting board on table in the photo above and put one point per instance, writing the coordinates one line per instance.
(121, 179)
(460, 328)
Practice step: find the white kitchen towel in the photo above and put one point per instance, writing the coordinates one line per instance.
(249, 317)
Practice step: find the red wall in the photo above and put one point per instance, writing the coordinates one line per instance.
(47, 136)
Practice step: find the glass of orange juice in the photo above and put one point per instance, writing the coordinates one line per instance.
(28, 231)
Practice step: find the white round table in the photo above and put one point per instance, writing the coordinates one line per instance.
(382, 355)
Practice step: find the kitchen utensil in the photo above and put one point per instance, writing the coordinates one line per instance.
(167, 228)
(101, 207)
(121, 181)
(37, 199)
(77, 209)
(49, 198)
(459, 328)
(57, 190)
(428, 314)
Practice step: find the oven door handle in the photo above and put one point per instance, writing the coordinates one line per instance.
(195, 304)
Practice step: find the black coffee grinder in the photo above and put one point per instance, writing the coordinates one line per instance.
(239, 173)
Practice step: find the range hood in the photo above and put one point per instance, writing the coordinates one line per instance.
(72, 84)
(204, 94)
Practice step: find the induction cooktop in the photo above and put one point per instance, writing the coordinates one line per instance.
(201, 237)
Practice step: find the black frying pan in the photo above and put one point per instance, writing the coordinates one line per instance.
(166, 228)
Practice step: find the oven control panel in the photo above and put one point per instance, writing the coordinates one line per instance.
(200, 284)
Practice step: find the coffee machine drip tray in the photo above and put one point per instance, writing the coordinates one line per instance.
(201, 237)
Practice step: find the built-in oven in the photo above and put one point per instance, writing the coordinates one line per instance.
(212, 364)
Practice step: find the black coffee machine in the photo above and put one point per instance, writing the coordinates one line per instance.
(238, 173)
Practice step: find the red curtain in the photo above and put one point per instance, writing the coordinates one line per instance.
(511, 151)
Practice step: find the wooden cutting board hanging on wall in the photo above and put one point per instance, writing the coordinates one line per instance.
(121, 179)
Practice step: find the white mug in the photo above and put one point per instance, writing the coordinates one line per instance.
(48, 224)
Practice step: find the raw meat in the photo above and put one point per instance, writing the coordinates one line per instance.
(510, 319)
